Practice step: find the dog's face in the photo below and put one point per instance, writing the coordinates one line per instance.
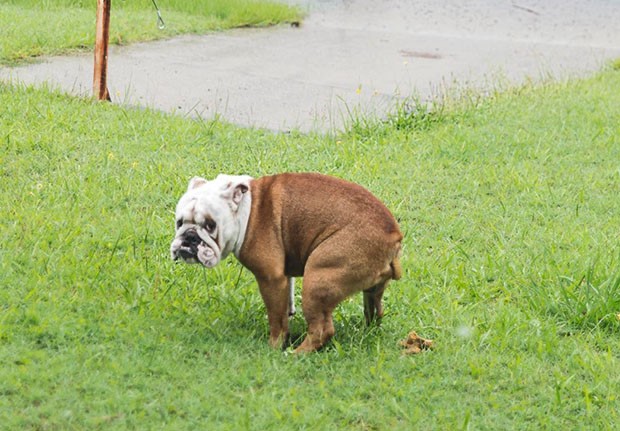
(211, 218)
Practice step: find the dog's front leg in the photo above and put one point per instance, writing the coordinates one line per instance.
(275, 292)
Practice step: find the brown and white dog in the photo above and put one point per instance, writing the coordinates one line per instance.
(334, 233)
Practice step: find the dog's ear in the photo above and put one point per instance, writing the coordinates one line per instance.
(196, 182)
(234, 189)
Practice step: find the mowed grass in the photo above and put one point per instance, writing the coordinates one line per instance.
(511, 212)
(64, 26)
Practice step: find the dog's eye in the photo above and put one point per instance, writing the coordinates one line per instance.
(179, 223)
(210, 225)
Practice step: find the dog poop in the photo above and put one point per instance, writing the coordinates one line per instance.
(414, 344)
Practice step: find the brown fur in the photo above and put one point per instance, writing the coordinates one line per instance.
(334, 233)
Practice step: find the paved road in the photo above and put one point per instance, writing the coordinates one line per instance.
(350, 55)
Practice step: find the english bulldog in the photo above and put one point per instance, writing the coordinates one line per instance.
(334, 233)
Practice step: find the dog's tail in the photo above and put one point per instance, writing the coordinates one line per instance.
(397, 270)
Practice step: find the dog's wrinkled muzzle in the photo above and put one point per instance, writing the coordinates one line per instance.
(189, 245)
(193, 247)
(186, 246)
(207, 256)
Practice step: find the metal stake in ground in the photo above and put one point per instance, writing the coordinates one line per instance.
(100, 89)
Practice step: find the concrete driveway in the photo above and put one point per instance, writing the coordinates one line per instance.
(350, 56)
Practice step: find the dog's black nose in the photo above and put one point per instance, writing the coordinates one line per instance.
(191, 238)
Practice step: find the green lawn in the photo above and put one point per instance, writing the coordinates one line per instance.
(31, 28)
(511, 212)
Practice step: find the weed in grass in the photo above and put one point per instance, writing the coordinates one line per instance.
(588, 303)
(412, 114)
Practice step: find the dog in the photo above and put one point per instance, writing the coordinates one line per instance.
(334, 233)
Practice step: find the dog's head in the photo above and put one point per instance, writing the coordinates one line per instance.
(211, 219)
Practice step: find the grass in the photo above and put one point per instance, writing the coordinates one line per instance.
(510, 210)
(65, 26)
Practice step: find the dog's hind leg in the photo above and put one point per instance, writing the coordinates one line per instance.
(373, 308)
(318, 314)
(322, 292)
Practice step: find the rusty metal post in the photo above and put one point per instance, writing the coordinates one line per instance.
(100, 89)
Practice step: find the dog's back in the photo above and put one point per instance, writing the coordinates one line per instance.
(321, 206)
